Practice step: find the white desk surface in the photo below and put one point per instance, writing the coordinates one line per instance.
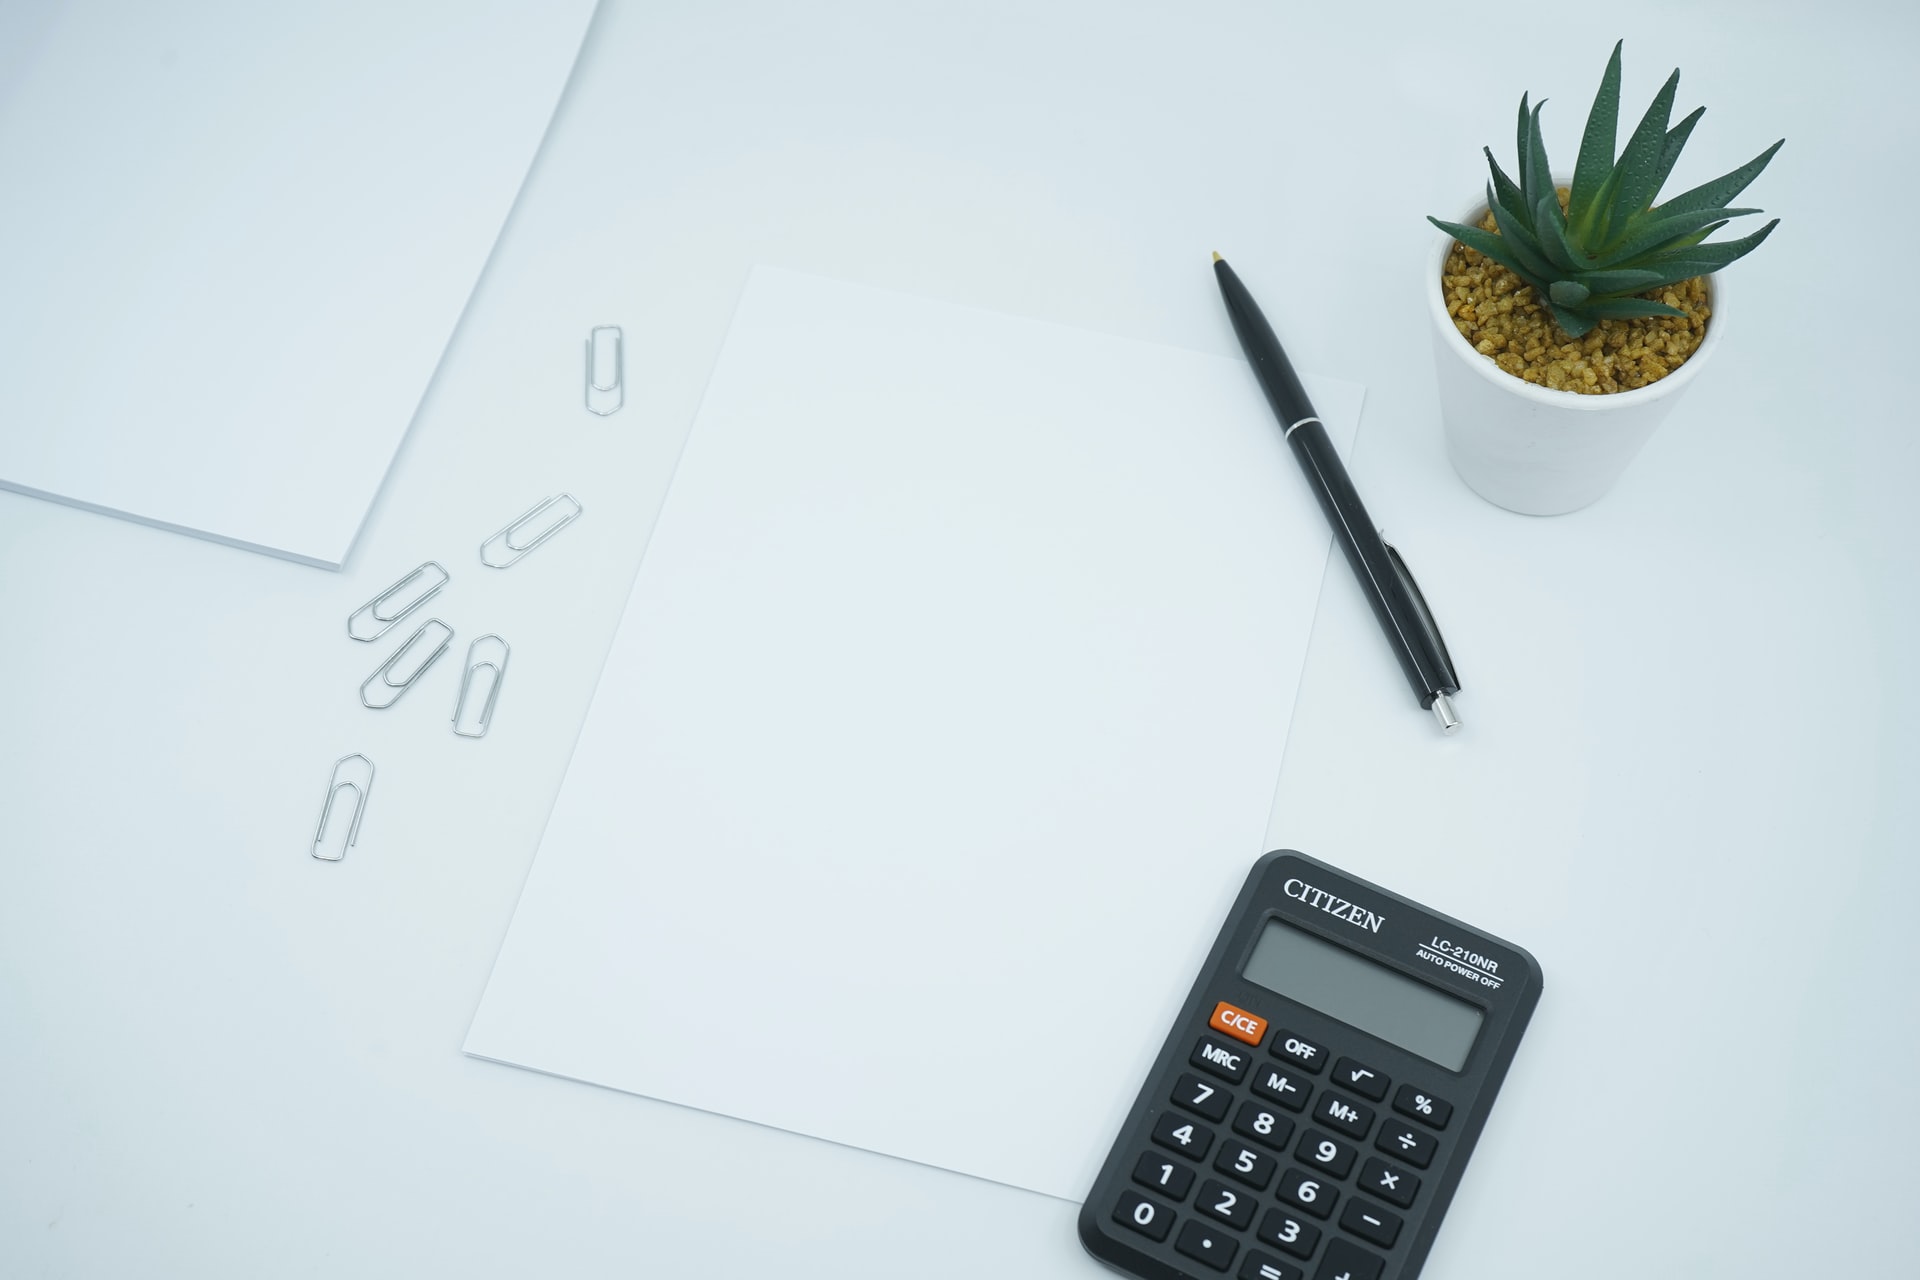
(1686, 784)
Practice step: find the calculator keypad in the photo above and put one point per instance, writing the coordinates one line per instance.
(1286, 1176)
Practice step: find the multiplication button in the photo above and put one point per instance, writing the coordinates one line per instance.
(1390, 1182)
(1300, 1050)
(1228, 1061)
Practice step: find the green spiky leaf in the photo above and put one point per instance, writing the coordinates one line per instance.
(1655, 234)
(1596, 146)
(1568, 293)
(1501, 251)
(1712, 195)
(1506, 194)
(1639, 167)
(1612, 241)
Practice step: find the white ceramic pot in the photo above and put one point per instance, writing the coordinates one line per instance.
(1532, 449)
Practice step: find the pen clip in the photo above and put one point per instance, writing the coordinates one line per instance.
(1436, 644)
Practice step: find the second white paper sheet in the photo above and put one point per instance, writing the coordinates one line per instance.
(941, 728)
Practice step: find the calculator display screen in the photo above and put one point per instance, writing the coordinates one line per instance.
(1372, 997)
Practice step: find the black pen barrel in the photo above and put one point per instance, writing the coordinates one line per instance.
(1411, 635)
(1401, 617)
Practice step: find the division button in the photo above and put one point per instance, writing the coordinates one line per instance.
(1287, 1233)
(1222, 1059)
(1260, 1266)
(1348, 1261)
(1422, 1106)
(1206, 1244)
(1140, 1214)
(1163, 1175)
(1371, 1222)
(1282, 1085)
(1197, 1096)
(1177, 1133)
(1299, 1049)
(1407, 1143)
(1360, 1078)
(1390, 1182)
(1349, 1117)
(1237, 1023)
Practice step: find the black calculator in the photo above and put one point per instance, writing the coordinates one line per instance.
(1316, 1102)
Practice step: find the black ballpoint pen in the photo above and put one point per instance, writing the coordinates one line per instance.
(1396, 600)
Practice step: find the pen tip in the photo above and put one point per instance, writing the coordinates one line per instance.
(1216, 255)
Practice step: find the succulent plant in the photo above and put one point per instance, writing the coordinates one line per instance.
(1611, 242)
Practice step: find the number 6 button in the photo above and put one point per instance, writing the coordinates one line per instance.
(1298, 1187)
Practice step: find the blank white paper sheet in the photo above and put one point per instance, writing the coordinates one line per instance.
(238, 238)
(942, 727)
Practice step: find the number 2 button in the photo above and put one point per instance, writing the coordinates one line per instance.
(1218, 1200)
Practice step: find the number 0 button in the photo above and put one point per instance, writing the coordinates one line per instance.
(1141, 1214)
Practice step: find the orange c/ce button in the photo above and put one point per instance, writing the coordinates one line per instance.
(1237, 1023)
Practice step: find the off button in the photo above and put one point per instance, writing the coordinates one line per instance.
(1237, 1023)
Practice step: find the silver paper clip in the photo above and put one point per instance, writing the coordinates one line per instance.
(606, 370)
(569, 511)
(384, 673)
(377, 613)
(335, 785)
(497, 675)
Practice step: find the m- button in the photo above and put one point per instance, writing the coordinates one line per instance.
(1237, 1023)
(1222, 1059)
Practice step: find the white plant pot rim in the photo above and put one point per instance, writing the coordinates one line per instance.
(1572, 401)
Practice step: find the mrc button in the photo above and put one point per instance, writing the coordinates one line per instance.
(1222, 1059)
(1237, 1023)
